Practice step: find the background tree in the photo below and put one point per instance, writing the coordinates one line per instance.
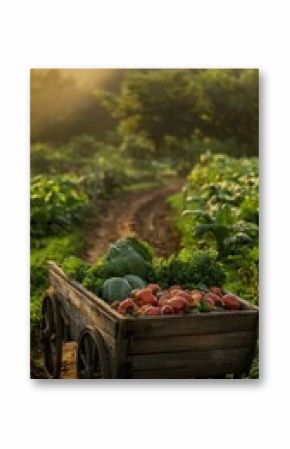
(155, 104)
(233, 100)
(219, 104)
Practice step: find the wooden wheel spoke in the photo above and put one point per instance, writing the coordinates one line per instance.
(88, 351)
(52, 336)
(83, 358)
(91, 362)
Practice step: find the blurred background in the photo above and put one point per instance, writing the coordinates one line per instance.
(81, 115)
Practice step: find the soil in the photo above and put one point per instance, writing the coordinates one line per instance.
(143, 213)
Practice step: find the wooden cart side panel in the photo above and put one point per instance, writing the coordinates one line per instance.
(191, 346)
(196, 372)
(212, 323)
(224, 340)
(91, 311)
(58, 276)
(210, 361)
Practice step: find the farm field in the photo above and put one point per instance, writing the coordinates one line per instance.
(185, 183)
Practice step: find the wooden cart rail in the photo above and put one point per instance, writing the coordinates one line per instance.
(195, 345)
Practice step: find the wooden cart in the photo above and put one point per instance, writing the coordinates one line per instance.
(112, 346)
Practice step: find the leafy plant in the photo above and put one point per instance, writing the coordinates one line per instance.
(56, 203)
(75, 268)
(189, 269)
(219, 210)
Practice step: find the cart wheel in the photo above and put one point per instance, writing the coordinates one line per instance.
(52, 335)
(92, 360)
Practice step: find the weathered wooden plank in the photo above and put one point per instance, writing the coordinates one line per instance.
(190, 373)
(211, 323)
(224, 340)
(60, 281)
(94, 314)
(217, 361)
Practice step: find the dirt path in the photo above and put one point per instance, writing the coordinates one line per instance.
(144, 213)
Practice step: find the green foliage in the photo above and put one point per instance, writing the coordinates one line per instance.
(232, 97)
(50, 248)
(219, 210)
(189, 269)
(93, 279)
(56, 203)
(75, 268)
(219, 104)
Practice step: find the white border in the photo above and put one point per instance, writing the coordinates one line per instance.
(144, 34)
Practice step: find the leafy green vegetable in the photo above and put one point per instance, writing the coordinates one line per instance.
(130, 246)
(189, 270)
(122, 265)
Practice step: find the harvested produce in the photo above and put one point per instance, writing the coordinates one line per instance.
(217, 300)
(216, 290)
(126, 264)
(135, 281)
(231, 302)
(127, 306)
(174, 301)
(145, 297)
(116, 289)
(206, 305)
(128, 246)
(196, 296)
(126, 278)
(167, 310)
(151, 310)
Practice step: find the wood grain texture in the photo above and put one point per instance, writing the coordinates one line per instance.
(224, 340)
(211, 323)
(189, 359)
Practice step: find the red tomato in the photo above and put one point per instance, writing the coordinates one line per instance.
(127, 306)
(151, 310)
(216, 290)
(217, 300)
(178, 303)
(167, 310)
(231, 302)
(145, 296)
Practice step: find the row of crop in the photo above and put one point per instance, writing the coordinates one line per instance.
(57, 205)
(219, 209)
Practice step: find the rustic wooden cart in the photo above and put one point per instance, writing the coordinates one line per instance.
(112, 346)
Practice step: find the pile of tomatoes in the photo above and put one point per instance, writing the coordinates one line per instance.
(153, 301)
